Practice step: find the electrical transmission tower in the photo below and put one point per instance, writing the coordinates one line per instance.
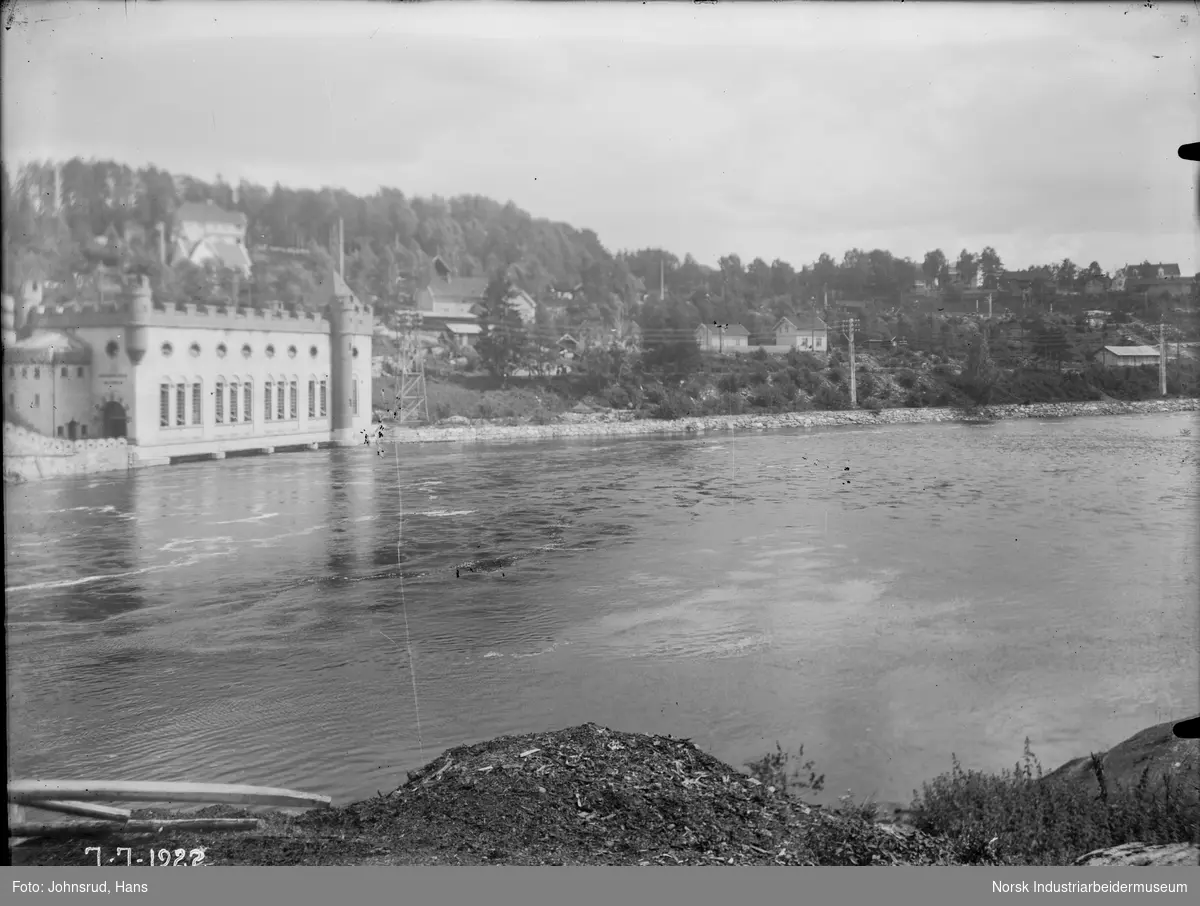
(412, 401)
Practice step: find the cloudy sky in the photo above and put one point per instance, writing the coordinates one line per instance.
(781, 130)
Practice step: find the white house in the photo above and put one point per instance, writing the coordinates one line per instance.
(802, 332)
(722, 337)
(206, 232)
(1128, 356)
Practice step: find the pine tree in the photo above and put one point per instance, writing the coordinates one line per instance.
(503, 340)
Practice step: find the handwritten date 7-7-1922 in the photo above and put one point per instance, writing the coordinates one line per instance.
(161, 857)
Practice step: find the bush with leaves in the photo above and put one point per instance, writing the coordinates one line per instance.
(1020, 817)
(832, 399)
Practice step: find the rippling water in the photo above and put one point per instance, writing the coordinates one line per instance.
(884, 596)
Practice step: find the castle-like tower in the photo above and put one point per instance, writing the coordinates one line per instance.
(184, 379)
(350, 323)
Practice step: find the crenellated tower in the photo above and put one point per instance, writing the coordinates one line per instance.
(349, 319)
(141, 307)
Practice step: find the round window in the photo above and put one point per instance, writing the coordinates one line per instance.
(112, 349)
(246, 350)
(291, 352)
(194, 349)
(270, 352)
(167, 349)
(312, 351)
(221, 350)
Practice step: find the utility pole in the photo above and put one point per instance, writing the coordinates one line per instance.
(1162, 359)
(848, 327)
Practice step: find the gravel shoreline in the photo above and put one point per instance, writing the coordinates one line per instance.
(616, 424)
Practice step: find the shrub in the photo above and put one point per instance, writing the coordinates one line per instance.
(485, 409)
(907, 378)
(441, 411)
(772, 771)
(617, 397)
(873, 404)
(1019, 817)
(674, 404)
(831, 398)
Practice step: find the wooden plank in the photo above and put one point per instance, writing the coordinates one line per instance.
(103, 828)
(86, 809)
(30, 791)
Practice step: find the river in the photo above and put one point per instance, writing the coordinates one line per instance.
(883, 596)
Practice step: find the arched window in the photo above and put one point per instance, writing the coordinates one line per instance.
(197, 401)
(312, 396)
(248, 401)
(294, 408)
(37, 374)
(233, 401)
(267, 409)
(219, 400)
(164, 404)
(181, 403)
(280, 399)
(324, 398)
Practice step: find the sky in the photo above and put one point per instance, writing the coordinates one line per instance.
(766, 130)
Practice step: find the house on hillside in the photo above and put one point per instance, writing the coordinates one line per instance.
(1096, 286)
(1135, 277)
(802, 332)
(722, 337)
(1127, 356)
(1096, 318)
(206, 232)
(567, 346)
(524, 304)
(450, 295)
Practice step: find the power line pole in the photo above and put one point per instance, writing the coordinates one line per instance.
(1162, 359)
(848, 328)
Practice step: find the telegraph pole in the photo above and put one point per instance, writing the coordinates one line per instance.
(848, 328)
(1162, 359)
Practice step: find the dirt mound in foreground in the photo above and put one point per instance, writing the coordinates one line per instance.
(583, 795)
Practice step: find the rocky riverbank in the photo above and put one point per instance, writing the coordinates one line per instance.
(612, 423)
(589, 795)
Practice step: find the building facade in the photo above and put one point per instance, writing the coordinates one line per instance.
(727, 338)
(801, 332)
(192, 379)
(1128, 356)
